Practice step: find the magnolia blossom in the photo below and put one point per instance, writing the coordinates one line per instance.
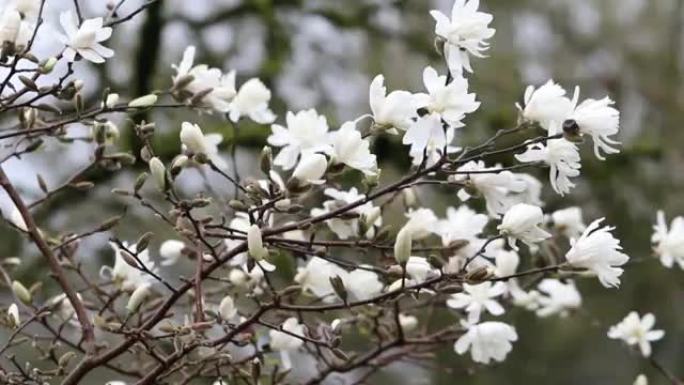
(255, 243)
(13, 315)
(252, 101)
(85, 39)
(598, 119)
(350, 149)
(522, 222)
(669, 244)
(16, 28)
(495, 187)
(476, 298)
(563, 159)
(636, 330)
(394, 110)
(306, 132)
(557, 297)
(421, 223)
(227, 309)
(219, 88)
(362, 284)
(287, 341)
(487, 341)
(346, 228)
(547, 104)
(315, 278)
(195, 142)
(569, 221)
(598, 251)
(403, 243)
(466, 33)
(506, 263)
(428, 136)
(311, 169)
(125, 276)
(419, 269)
(171, 251)
(451, 101)
(462, 223)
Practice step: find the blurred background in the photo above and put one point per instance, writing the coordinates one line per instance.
(323, 54)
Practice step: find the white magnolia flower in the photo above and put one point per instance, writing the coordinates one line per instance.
(198, 79)
(598, 119)
(85, 39)
(403, 243)
(419, 269)
(346, 228)
(522, 222)
(362, 284)
(487, 341)
(283, 341)
(125, 276)
(462, 223)
(636, 330)
(494, 187)
(563, 159)
(314, 278)
(421, 223)
(255, 243)
(547, 104)
(466, 33)
(528, 300)
(13, 315)
(10, 24)
(669, 244)
(252, 101)
(395, 110)
(506, 263)
(195, 142)
(450, 101)
(557, 297)
(598, 251)
(476, 298)
(349, 148)
(530, 193)
(171, 251)
(306, 132)
(227, 309)
(428, 137)
(311, 169)
(569, 221)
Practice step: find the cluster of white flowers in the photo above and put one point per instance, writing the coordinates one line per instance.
(475, 267)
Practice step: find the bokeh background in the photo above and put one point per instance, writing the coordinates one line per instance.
(323, 54)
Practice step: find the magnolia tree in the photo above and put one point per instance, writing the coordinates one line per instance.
(365, 294)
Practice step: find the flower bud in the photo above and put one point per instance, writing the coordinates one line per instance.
(48, 65)
(177, 165)
(143, 101)
(111, 100)
(403, 244)
(255, 243)
(311, 169)
(158, 172)
(21, 292)
(266, 159)
(13, 315)
(139, 296)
